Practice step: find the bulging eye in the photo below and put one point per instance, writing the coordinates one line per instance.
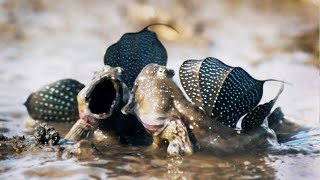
(106, 68)
(119, 70)
(171, 73)
(161, 71)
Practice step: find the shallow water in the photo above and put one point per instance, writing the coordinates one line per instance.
(42, 42)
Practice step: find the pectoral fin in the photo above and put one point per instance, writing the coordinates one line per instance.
(80, 130)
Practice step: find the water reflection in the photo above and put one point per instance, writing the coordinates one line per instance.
(119, 161)
(174, 168)
(306, 141)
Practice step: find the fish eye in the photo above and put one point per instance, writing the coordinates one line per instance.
(106, 68)
(119, 69)
(161, 71)
(170, 73)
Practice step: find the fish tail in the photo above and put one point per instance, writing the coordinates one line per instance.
(275, 80)
(161, 24)
(80, 130)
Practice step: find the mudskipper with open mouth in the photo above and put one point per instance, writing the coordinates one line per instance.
(103, 98)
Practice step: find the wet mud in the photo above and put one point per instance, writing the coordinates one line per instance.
(44, 41)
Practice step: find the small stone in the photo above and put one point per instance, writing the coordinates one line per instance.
(46, 134)
(2, 137)
(84, 149)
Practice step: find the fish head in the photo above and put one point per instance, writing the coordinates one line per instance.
(154, 97)
(155, 72)
(102, 95)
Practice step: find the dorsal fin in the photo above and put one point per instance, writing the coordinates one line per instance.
(212, 76)
(189, 77)
(134, 51)
(256, 117)
(56, 101)
(224, 92)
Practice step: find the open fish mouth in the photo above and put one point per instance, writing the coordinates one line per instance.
(103, 97)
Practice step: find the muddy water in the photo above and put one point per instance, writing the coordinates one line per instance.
(42, 42)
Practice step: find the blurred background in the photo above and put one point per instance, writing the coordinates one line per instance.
(42, 41)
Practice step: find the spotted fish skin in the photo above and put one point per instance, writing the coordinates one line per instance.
(168, 116)
(134, 51)
(155, 98)
(157, 101)
(165, 113)
(55, 102)
(226, 93)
